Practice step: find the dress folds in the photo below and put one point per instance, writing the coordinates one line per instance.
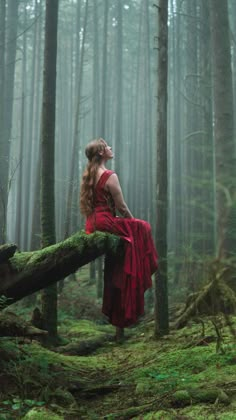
(126, 277)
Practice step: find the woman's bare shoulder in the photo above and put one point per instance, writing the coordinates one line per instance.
(113, 183)
(113, 178)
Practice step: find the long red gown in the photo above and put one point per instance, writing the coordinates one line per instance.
(125, 278)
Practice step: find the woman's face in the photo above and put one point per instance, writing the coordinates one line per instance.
(108, 153)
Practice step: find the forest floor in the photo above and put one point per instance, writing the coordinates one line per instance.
(188, 374)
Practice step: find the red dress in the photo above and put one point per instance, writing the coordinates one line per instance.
(127, 277)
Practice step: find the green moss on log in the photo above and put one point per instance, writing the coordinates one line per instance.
(80, 241)
(20, 260)
(28, 272)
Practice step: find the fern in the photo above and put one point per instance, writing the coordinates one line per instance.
(3, 302)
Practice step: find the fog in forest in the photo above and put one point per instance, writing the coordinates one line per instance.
(133, 314)
(107, 74)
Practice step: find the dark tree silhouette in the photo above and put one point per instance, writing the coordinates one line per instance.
(161, 294)
(49, 295)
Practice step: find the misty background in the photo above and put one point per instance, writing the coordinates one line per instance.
(107, 74)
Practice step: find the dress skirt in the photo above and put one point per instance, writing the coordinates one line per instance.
(126, 277)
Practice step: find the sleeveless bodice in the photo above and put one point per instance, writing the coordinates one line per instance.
(103, 200)
(126, 275)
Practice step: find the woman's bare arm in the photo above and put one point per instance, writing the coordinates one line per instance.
(113, 186)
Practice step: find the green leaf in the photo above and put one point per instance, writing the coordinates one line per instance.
(30, 402)
(40, 403)
(16, 406)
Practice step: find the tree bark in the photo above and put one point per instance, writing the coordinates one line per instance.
(102, 112)
(2, 63)
(27, 272)
(223, 123)
(161, 294)
(49, 296)
(10, 56)
(2, 143)
(30, 128)
(119, 94)
(20, 187)
(76, 133)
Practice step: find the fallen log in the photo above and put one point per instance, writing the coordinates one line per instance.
(85, 347)
(7, 251)
(216, 297)
(11, 325)
(27, 272)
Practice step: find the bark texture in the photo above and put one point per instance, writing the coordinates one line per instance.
(161, 295)
(27, 272)
(49, 296)
(223, 125)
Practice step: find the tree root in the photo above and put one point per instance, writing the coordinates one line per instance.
(214, 298)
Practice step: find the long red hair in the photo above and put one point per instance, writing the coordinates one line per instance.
(92, 151)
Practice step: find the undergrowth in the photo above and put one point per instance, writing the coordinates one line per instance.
(182, 375)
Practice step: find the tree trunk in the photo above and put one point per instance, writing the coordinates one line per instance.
(49, 295)
(103, 126)
(175, 148)
(119, 95)
(2, 81)
(223, 122)
(135, 156)
(27, 272)
(30, 131)
(11, 37)
(2, 67)
(19, 190)
(96, 95)
(34, 231)
(96, 72)
(76, 137)
(102, 113)
(161, 293)
(148, 116)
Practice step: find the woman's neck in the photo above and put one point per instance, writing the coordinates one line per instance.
(102, 166)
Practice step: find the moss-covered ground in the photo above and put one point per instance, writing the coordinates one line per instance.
(180, 376)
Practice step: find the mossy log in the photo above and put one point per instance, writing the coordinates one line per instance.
(11, 325)
(182, 398)
(215, 297)
(7, 251)
(84, 347)
(27, 272)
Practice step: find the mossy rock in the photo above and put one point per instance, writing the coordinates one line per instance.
(85, 329)
(181, 398)
(197, 411)
(143, 388)
(41, 414)
(159, 415)
(210, 395)
(63, 398)
(206, 411)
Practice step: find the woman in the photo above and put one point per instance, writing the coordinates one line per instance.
(125, 278)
